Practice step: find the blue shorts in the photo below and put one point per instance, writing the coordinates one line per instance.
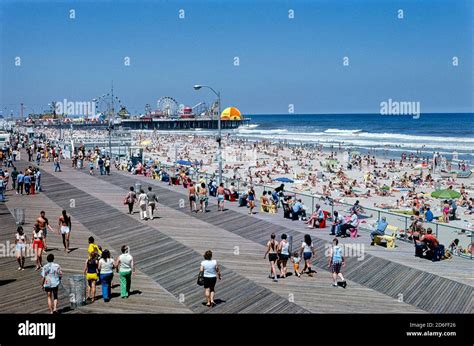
(307, 255)
(220, 198)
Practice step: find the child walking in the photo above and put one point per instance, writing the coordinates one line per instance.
(295, 259)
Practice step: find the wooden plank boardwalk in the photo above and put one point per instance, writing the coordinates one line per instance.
(147, 295)
(20, 290)
(168, 251)
(168, 262)
(316, 295)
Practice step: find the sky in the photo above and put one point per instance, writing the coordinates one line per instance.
(282, 61)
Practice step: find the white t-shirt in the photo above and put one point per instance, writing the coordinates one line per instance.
(209, 268)
(107, 267)
(306, 247)
(142, 199)
(354, 220)
(125, 262)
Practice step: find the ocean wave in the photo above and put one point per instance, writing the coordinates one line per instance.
(248, 127)
(369, 142)
(343, 131)
(346, 135)
(415, 138)
(258, 132)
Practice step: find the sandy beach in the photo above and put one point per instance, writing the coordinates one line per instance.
(341, 174)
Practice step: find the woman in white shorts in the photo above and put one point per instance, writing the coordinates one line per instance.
(65, 229)
(20, 246)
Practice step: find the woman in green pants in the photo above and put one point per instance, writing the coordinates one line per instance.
(125, 268)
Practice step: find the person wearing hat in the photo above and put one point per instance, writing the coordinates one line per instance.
(379, 229)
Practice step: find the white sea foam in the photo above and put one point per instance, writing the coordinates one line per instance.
(343, 131)
(272, 131)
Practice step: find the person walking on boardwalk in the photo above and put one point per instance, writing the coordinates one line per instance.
(203, 197)
(296, 259)
(20, 247)
(38, 158)
(27, 183)
(272, 248)
(211, 272)
(43, 223)
(251, 199)
(57, 164)
(93, 247)
(14, 175)
(91, 166)
(336, 261)
(91, 270)
(101, 163)
(125, 268)
(38, 245)
(20, 179)
(65, 227)
(152, 200)
(308, 252)
(130, 199)
(106, 270)
(142, 203)
(52, 275)
(192, 197)
(38, 180)
(107, 165)
(283, 255)
(220, 197)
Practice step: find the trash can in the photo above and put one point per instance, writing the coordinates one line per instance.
(19, 214)
(138, 187)
(77, 292)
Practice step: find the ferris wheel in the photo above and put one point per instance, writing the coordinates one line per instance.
(107, 105)
(168, 106)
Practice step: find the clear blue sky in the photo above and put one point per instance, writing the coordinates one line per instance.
(282, 61)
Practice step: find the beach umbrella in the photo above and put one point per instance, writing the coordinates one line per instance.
(184, 163)
(446, 194)
(284, 180)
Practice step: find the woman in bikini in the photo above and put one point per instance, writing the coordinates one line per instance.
(272, 248)
(446, 211)
(38, 245)
(91, 270)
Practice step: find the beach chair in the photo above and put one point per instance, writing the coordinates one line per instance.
(389, 238)
(322, 224)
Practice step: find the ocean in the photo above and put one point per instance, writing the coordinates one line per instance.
(443, 133)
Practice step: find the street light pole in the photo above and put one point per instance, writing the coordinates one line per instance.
(219, 137)
(219, 129)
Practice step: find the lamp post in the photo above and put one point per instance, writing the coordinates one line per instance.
(219, 138)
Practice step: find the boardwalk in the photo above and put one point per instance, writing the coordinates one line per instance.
(168, 251)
